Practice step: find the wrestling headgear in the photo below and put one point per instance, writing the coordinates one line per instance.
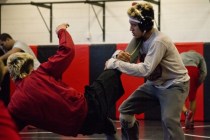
(143, 14)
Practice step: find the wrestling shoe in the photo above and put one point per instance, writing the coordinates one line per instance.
(188, 116)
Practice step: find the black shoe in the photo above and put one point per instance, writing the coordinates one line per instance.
(188, 116)
(131, 133)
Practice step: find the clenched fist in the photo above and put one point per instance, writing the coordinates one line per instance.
(124, 56)
(62, 26)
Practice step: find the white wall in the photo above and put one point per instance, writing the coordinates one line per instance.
(182, 20)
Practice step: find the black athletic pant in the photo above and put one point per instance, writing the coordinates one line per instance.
(101, 97)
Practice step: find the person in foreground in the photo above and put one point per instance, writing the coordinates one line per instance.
(197, 69)
(7, 126)
(42, 100)
(167, 80)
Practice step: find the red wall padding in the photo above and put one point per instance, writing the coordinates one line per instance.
(77, 75)
(34, 48)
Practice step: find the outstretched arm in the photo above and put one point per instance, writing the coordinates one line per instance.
(59, 62)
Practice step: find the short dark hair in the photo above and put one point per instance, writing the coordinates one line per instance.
(5, 36)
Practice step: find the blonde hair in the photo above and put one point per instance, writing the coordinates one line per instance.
(19, 65)
(140, 10)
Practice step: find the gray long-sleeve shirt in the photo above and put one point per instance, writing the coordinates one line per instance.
(159, 50)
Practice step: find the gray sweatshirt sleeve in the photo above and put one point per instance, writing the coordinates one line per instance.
(152, 59)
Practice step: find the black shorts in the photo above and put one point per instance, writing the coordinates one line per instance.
(101, 96)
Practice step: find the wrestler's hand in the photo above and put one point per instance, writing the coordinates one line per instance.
(62, 26)
(124, 56)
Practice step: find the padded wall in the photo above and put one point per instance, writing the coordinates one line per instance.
(99, 54)
(77, 75)
(45, 51)
(206, 102)
(89, 63)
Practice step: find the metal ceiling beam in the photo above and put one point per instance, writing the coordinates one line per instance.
(100, 3)
(84, 1)
(48, 6)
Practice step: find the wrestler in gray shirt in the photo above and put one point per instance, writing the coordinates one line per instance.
(160, 63)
